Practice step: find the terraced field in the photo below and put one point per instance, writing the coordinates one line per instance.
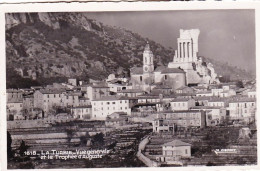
(203, 147)
(121, 143)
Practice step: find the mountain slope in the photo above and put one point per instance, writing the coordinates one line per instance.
(58, 45)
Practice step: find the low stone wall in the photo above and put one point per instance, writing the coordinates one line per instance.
(27, 124)
(34, 123)
(141, 119)
(148, 162)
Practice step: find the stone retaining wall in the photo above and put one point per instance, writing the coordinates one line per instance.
(148, 162)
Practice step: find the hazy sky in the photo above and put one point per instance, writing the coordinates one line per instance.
(225, 35)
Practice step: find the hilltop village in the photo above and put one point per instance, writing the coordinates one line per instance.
(181, 104)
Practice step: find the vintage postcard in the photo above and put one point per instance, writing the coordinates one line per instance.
(129, 85)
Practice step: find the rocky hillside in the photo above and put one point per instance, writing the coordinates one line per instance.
(228, 72)
(45, 46)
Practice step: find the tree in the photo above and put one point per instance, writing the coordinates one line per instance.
(210, 164)
(9, 146)
(98, 139)
(23, 148)
(239, 84)
(70, 134)
(84, 139)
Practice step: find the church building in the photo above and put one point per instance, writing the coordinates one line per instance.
(185, 69)
(147, 77)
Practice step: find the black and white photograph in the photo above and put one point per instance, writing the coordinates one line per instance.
(130, 89)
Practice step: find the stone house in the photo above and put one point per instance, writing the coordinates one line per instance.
(175, 150)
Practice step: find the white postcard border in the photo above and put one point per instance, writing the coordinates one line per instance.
(118, 6)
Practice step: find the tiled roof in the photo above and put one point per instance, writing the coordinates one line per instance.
(162, 87)
(206, 107)
(28, 96)
(204, 97)
(172, 70)
(180, 100)
(230, 83)
(99, 86)
(169, 96)
(182, 87)
(176, 143)
(159, 68)
(82, 107)
(137, 70)
(148, 97)
(185, 94)
(204, 92)
(186, 111)
(218, 99)
(199, 87)
(49, 91)
(131, 91)
(83, 98)
(147, 104)
(242, 100)
(120, 113)
(112, 98)
(13, 91)
(74, 93)
(252, 89)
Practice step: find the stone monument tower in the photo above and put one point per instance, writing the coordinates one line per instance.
(187, 51)
(186, 58)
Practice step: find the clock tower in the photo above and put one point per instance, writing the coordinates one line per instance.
(148, 66)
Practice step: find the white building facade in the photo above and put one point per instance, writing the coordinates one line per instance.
(105, 106)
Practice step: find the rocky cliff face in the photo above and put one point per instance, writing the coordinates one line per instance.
(49, 45)
(71, 45)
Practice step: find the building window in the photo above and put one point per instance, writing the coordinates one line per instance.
(108, 103)
(141, 78)
(165, 77)
(113, 102)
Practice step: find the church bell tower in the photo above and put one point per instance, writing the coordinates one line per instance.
(148, 65)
